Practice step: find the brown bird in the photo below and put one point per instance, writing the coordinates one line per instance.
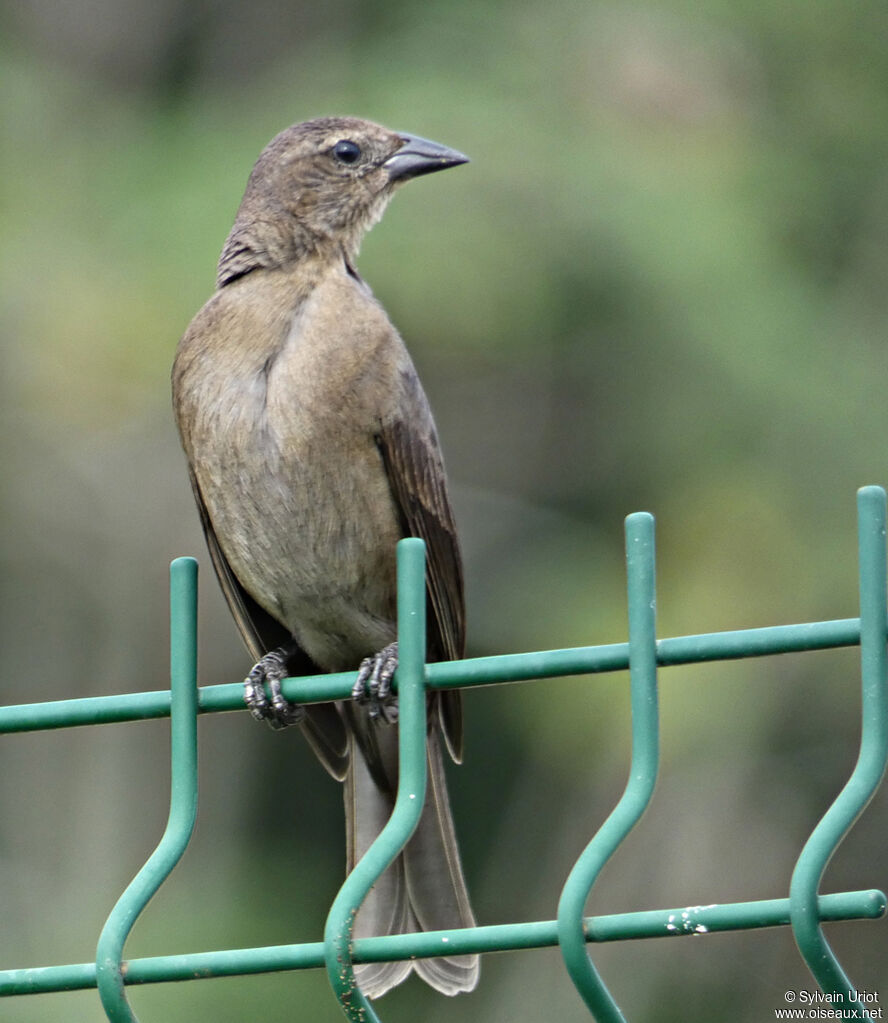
(312, 451)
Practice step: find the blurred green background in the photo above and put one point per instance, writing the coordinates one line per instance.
(661, 284)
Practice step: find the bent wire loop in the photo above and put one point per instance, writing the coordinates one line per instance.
(805, 909)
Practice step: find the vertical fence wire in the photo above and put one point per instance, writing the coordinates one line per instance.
(641, 588)
(871, 762)
(183, 794)
(411, 785)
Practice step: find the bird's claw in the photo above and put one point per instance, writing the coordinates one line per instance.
(374, 684)
(276, 709)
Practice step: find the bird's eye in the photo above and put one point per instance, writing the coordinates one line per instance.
(347, 151)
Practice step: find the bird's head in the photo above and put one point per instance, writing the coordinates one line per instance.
(319, 186)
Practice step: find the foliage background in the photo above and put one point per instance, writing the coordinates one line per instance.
(662, 283)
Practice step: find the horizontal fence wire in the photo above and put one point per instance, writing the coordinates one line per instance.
(473, 671)
(804, 910)
(656, 923)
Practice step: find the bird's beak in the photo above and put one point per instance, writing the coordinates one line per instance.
(421, 156)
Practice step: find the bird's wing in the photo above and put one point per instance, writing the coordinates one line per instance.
(412, 459)
(322, 725)
(259, 630)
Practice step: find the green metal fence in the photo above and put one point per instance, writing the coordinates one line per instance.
(805, 910)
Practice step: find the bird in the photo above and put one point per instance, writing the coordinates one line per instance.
(311, 451)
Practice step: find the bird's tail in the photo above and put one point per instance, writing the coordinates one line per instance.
(423, 890)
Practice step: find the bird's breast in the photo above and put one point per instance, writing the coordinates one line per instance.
(287, 463)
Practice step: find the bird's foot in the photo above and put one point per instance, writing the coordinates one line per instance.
(374, 684)
(276, 709)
